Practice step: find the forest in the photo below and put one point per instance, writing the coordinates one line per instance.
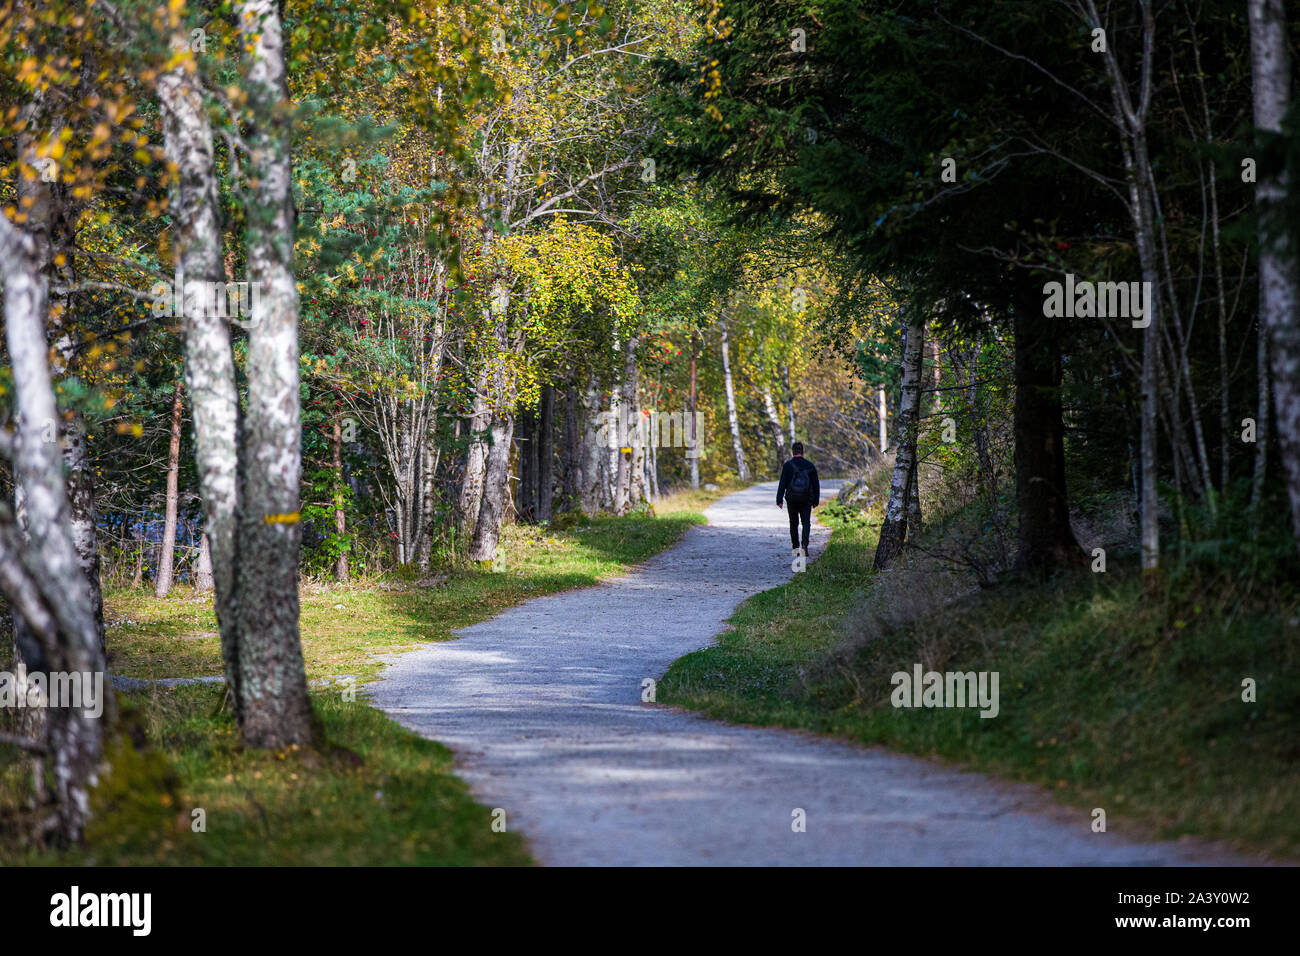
(305, 299)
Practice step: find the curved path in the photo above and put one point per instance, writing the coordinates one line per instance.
(542, 706)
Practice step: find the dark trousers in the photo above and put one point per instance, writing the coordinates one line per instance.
(799, 512)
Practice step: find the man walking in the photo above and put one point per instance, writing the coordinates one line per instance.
(800, 489)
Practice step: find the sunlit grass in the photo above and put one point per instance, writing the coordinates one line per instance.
(345, 627)
(372, 793)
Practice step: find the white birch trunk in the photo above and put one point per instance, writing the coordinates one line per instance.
(595, 444)
(203, 566)
(789, 398)
(882, 415)
(893, 530)
(1279, 278)
(496, 476)
(1130, 120)
(471, 489)
(774, 421)
(628, 416)
(167, 555)
(51, 228)
(275, 706)
(487, 531)
(209, 359)
(733, 420)
(75, 740)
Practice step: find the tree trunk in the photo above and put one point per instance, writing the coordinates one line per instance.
(29, 639)
(652, 452)
(36, 628)
(167, 554)
(571, 457)
(496, 472)
(137, 579)
(627, 418)
(609, 462)
(882, 414)
(1279, 277)
(203, 567)
(595, 444)
(209, 359)
(1225, 400)
(789, 397)
(431, 456)
(526, 493)
(82, 521)
(1225, 391)
(471, 489)
(893, 530)
(914, 522)
(936, 371)
(545, 453)
(275, 706)
(51, 228)
(487, 531)
(404, 436)
(1263, 414)
(637, 487)
(340, 516)
(733, 420)
(692, 419)
(1150, 371)
(774, 422)
(1130, 119)
(623, 459)
(76, 741)
(1046, 541)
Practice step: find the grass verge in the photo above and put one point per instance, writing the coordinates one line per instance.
(374, 793)
(345, 626)
(1109, 699)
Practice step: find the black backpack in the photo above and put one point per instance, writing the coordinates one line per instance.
(799, 486)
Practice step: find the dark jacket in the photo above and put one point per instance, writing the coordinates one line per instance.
(787, 473)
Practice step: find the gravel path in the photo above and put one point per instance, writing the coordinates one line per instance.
(542, 706)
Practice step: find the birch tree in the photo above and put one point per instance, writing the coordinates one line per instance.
(894, 528)
(209, 357)
(733, 419)
(275, 707)
(75, 739)
(1130, 112)
(774, 424)
(167, 559)
(1279, 276)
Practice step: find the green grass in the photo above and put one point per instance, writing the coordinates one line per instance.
(372, 793)
(345, 626)
(1111, 700)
